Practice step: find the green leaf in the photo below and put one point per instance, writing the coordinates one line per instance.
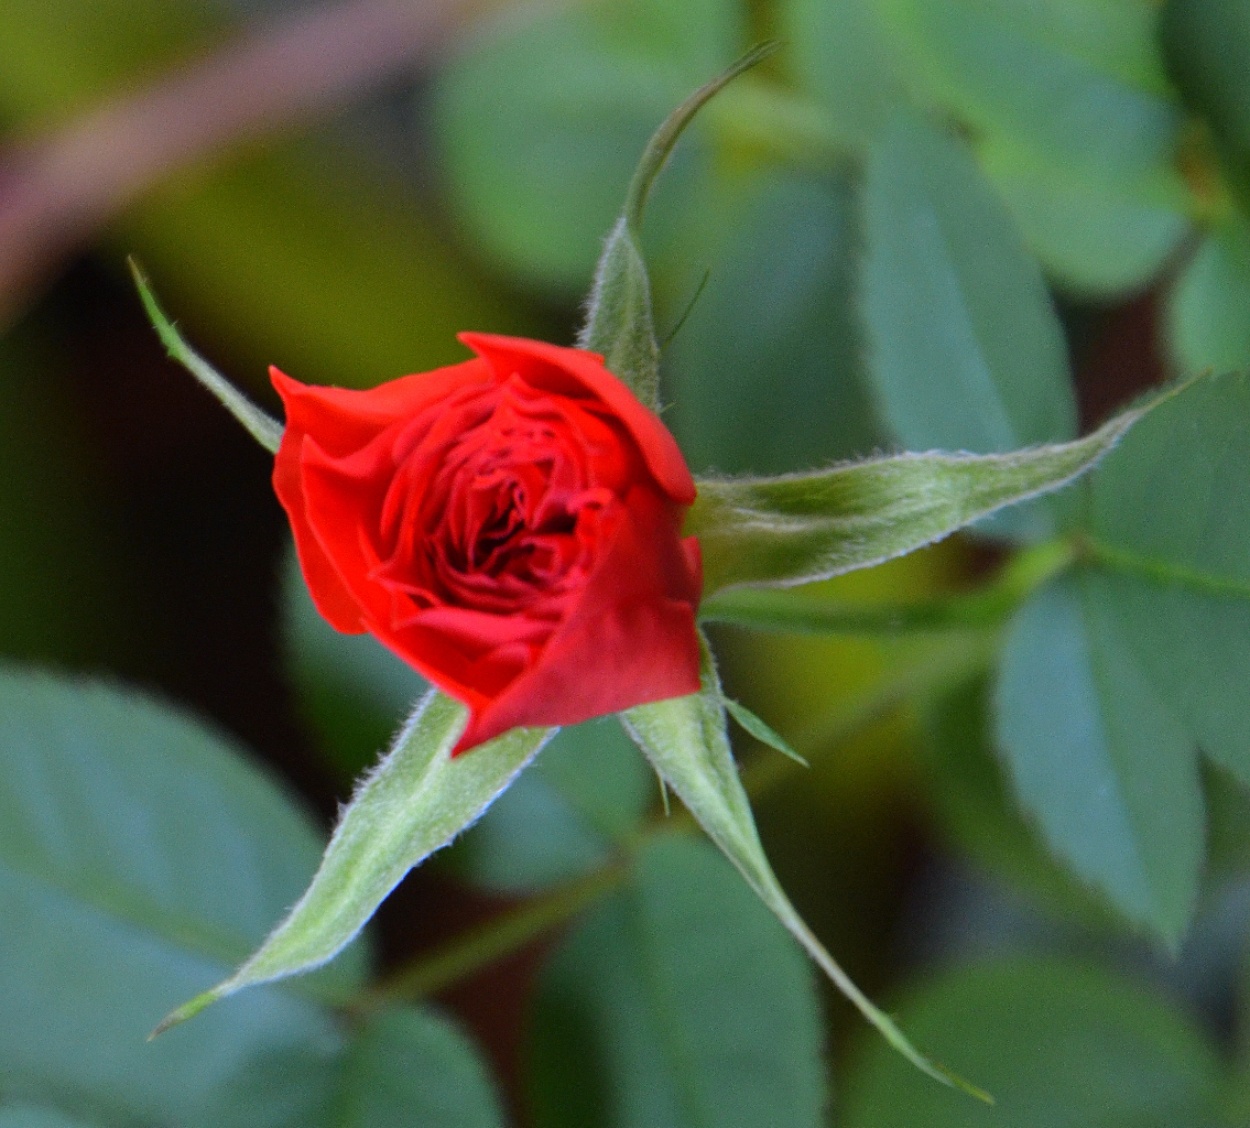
(1236, 1104)
(795, 342)
(1170, 502)
(1079, 81)
(1061, 1044)
(1207, 45)
(963, 342)
(1208, 312)
(410, 1067)
(966, 786)
(804, 527)
(541, 122)
(1102, 765)
(678, 1003)
(842, 55)
(686, 742)
(619, 322)
(1195, 648)
(584, 797)
(1095, 234)
(139, 855)
(416, 801)
(264, 429)
(37, 1116)
(1169, 523)
(1145, 656)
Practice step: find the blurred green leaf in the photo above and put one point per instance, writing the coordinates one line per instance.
(584, 797)
(1146, 651)
(1237, 1100)
(49, 76)
(37, 1116)
(411, 1067)
(771, 347)
(139, 855)
(1104, 767)
(414, 802)
(1207, 46)
(966, 785)
(1169, 518)
(964, 346)
(804, 527)
(1060, 1044)
(1098, 235)
(841, 54)
(1078, 81)
(1208, 313)
(1195, 648)
(542, 120)
(680, 1002)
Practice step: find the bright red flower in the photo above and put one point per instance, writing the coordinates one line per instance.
(510, 526)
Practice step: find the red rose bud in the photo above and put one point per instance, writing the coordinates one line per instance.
(510, 526)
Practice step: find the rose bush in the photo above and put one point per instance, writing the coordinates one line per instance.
(510, 526)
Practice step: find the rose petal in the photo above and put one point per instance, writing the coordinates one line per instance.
(345, 419)
(325, 585)
(509, 526)
(629, 638)
(564, 371)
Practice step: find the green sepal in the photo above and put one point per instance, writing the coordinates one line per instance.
(261, 426)
(619, 320)
(620, 323)
(762, 730)
(685, 739)
(799, 528)
(417, 800)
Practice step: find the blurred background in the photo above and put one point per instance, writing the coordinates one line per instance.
(338, 188)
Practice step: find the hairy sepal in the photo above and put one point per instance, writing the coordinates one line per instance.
(418, 799)
(799, 528)
(687, 742)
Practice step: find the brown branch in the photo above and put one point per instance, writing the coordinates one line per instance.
(57, 192)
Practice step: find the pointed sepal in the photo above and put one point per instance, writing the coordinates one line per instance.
(620, 324)
(415, 801)
(685, 739)
(261, 426)
(799, 528)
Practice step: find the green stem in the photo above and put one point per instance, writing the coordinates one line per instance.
(780, 609)
(660, 147)
(469, 953)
